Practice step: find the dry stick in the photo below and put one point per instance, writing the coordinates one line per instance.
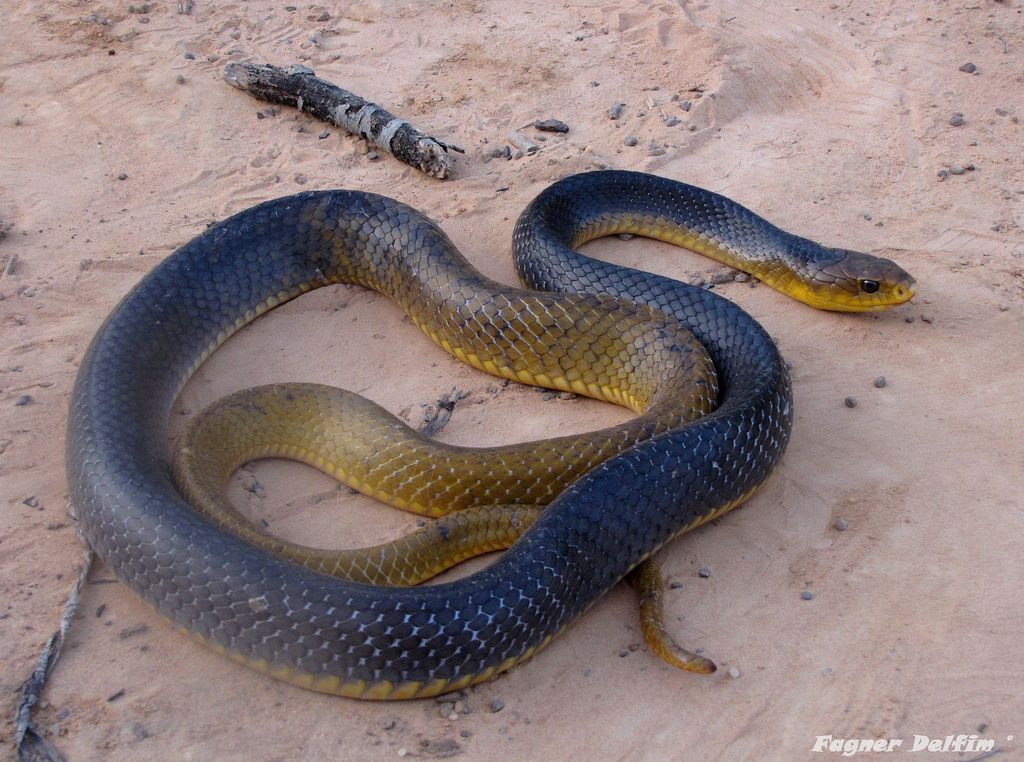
(31, 746)
(299, 87)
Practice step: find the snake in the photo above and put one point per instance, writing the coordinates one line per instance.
(370, 641)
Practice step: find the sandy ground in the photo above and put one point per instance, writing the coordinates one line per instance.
(831, 119)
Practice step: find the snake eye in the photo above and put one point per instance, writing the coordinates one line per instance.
(868, 286)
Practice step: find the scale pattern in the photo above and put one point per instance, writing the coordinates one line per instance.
(370, 642)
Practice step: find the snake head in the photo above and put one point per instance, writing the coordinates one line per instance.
(852, 281)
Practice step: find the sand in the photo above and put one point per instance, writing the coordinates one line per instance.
(830, 119)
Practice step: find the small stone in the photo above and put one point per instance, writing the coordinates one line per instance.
(372, 156)
(497, 704)
(301, 179)
(465, 733)
(807, 595)
(685, 105)
(926, 318)
(630, 140)
(122, 176)
(656, 151)
(213, 58)
(1004, 307)
(957, 120)
(908, 319)
(325, 16)
(291, 8)
(616, 110)
(722, 277)
(841, 525)
(741, 278)
(179, 79)
(388, 725)
(880, 382)
(943, 174)
(671, 121)
(956, 169)
(734, 673)
(623, 653)
(403, 751)
(190, 56)
(23, 400)
(851, 401)
(115, 695)
(704, 572)
(447, 709)
(626, 236)
(675, 585)
(551, 125)
(31, 501)
(324, 135)
(968, 68)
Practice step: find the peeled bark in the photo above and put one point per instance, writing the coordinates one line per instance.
(298, 86)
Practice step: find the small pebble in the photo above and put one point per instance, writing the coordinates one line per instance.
(23, 400)
(671, 121)
(807, 595)
(968, 68)
(388, 724)
(213, 58)
(447, 709)
(190, 56)
(926, 318)
(372, 156)
(403, 751)
(957, 120)
(325, 16)
(122, 176)
(630, 140)
(551, 125)
(31, 502)
(1004, 307)
(841, 525)
(301, 179)
(465, 733)
(674, 585)
(734, 672)
(115, 695)
(623, 653)
(656, 151)
(616, 111)
(625, 236)
(943, 174)
(497, 704)
(323, 135)
(908, 319)
(741, 278)
(704, 572)
(956, 169)
(180, 80)
(851, 402)
(880, 382)
(685, 105)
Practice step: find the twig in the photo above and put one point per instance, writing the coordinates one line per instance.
(31, 746)
(438, 418)
(299, 86)
(9, 267)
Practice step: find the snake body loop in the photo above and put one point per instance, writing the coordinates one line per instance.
(359, 640)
